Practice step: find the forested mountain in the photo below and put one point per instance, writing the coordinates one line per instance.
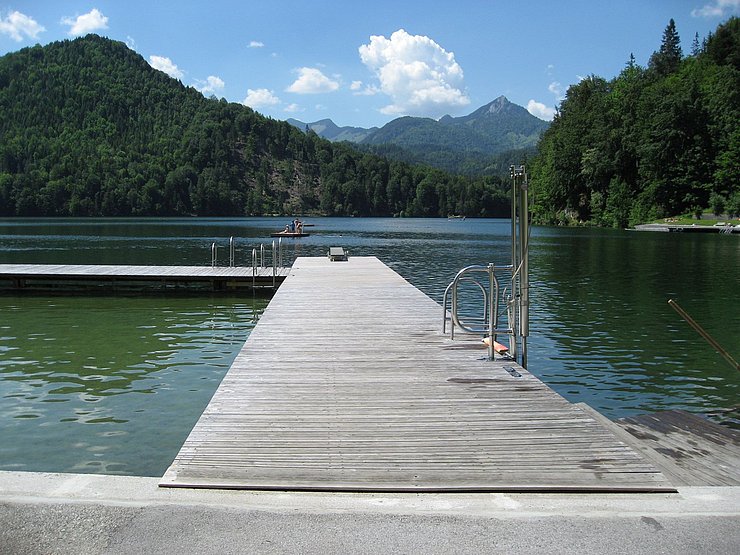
(471, 145)
(88, 128)
(653, 142)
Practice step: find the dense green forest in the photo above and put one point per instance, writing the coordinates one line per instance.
(655, 141)
(88, 128)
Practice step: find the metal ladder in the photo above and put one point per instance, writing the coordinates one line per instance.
(515, 297)
(277, 257)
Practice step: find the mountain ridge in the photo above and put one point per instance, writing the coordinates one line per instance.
(464, 144)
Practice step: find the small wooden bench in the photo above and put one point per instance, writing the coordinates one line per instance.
(337, 254)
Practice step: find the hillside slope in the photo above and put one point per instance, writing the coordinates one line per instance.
(87, 127)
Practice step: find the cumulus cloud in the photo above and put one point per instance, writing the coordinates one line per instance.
(539, 110)
(165, 64)
(292, 108)
(312, 81)
(211, 85)
(260, 98)
(130, 42)
(17, 24)
(420, 76)
(255, 44)
(718, 8)
(87, 23)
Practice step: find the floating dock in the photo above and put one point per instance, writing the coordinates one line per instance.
(347, 384)
(690, 228)
(76, 277)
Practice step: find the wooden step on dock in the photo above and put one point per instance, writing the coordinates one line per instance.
(347, 384)
(75, 277)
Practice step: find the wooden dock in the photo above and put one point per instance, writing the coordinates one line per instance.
(347, 384)
(121, 277)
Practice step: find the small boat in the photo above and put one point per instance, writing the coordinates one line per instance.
(289, 234)
(455, 217)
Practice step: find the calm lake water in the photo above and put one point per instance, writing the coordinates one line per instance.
(113, 384)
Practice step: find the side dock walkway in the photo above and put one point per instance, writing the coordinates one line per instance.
(108, 276)
(347, 384)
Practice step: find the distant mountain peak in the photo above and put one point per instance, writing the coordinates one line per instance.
(498, 105)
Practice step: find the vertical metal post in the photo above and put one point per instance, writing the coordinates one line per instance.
(280, 251)
(492, 309)
(213, 255)
(514, 302)
(231, 251)
(524, 255)
(274, 263)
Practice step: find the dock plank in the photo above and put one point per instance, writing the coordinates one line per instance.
(347, 383)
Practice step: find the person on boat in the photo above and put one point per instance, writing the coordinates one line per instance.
(287, 228)
(298, 226)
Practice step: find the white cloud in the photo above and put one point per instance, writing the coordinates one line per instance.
(357, 89)
(212, 85)
(312, 81)
(86, 23)
(539, 110)
(17, 24)
(718, 8)
(292, 108)
(165, 64)
(255, 44)
(260, 98)
(557, 89)
(130, 42)
(420, 76)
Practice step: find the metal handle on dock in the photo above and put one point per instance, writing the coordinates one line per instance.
(214, 255)
(254, 266)
(231, 252)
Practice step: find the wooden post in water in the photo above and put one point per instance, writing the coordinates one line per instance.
(701, 331)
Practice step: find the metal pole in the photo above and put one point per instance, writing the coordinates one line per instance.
(492, 309)
(524, 255)
(701, 331)
(514, 303)
(231, 251)
(274, 263)
(213, 255)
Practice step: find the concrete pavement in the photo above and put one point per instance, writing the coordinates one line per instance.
(71, 513)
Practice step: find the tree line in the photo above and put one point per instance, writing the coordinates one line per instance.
(655, 141)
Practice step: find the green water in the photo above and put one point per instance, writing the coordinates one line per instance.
(114, 384)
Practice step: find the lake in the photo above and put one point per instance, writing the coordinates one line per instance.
(113, 384)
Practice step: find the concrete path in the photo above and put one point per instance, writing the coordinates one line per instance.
(80, 514)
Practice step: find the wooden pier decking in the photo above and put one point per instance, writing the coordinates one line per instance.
(91, 276)
(347, 384)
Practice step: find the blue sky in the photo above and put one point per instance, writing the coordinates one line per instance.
(365, 63)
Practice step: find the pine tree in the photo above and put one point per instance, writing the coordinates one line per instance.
(695, 47)
(667, 59)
